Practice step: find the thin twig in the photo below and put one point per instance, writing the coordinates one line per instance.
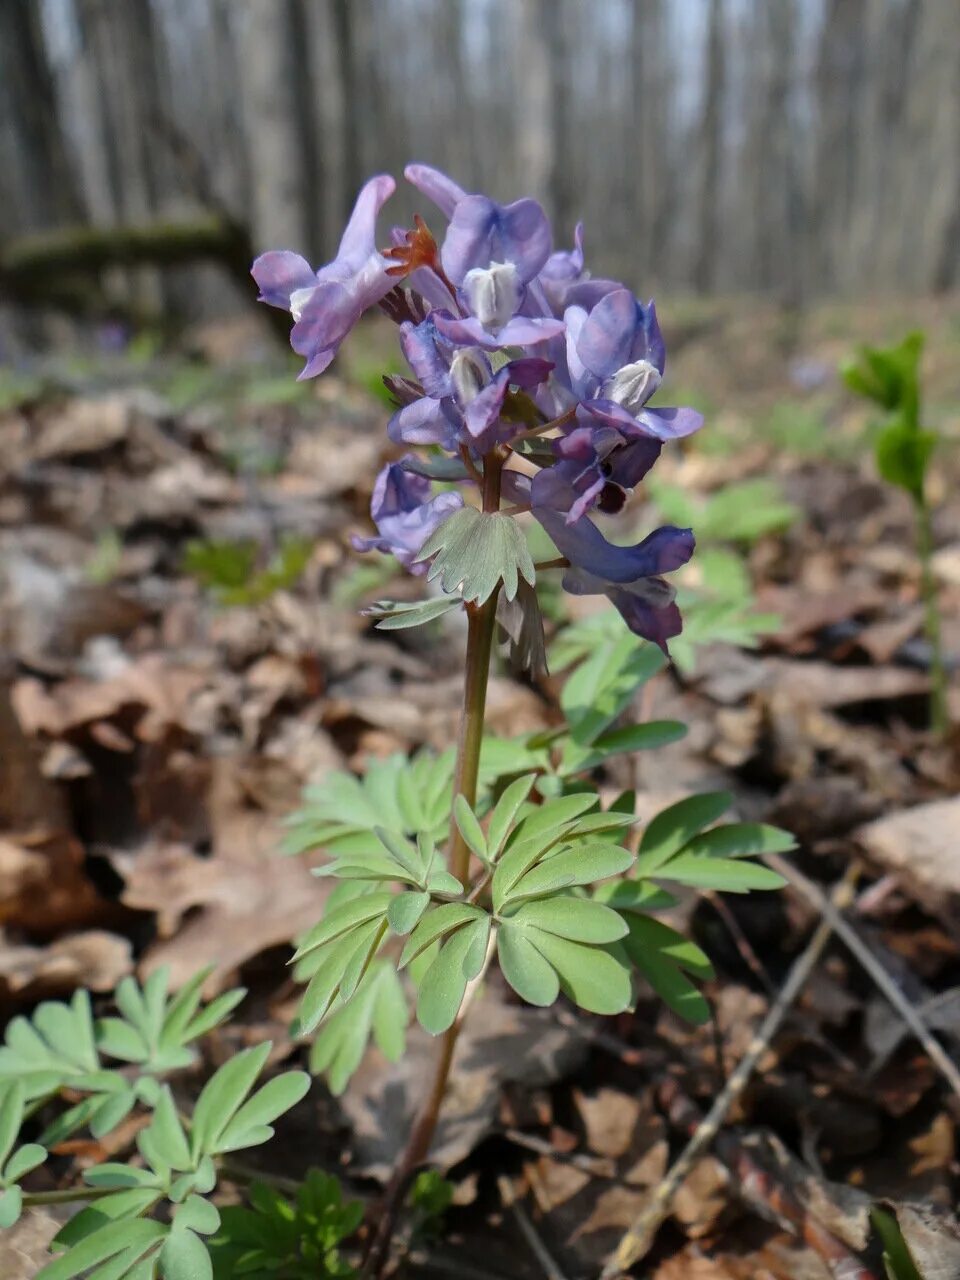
(529, 1232)
(872, 966)
(595, 1166)
(636, 1243)
(740, 940)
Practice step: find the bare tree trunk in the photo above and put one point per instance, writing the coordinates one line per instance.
(711, 144)
(37, 184)
(271, 97)
(535, 140)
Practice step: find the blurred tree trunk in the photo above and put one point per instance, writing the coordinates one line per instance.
(269, 68)
(35, 178)
(532, 76)
(653, 186)
(710, 147)
(840, 73)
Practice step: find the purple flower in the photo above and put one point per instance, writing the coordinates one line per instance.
(405, 515)
(615, 361)
(462, 397)
(629, 576)
(565, 283)
(325, 306)
(602, 463)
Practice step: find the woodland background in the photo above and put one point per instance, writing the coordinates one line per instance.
(794, 147)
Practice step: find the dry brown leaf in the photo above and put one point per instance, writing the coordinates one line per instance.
(500, 1043)
(24, 1247)
(243, 899)
(919, 845)
(43, 886)
(94, 959)
(687, 1266)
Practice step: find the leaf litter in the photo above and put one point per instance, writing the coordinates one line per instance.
(153, 742)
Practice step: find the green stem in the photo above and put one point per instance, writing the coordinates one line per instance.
(480, 628)
(69, 1195)
(939, 711)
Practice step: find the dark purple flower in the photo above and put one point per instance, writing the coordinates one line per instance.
(602, 464)
(326, 305)
(405, 515)
(629, 576)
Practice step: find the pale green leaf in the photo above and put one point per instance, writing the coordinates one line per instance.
(670, 830)
(222, 1096)
(740, 839)
(343, 920)
(272, 1100)
(164, 1141)
(185, 1257)
(474, 551)
(444, 984)
(25, 1159)
(505, 812)
(522, 965)
(11, 1206)
(727, 875)
(397, 615)
(197, 1214)
(593, 978)
(102, 1244)
(578, 866)
(469, 827)
(580, 919)
(405, 910)
(437, 922)
(11, 1117)
(665, 957)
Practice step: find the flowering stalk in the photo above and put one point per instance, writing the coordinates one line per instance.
(531, 385)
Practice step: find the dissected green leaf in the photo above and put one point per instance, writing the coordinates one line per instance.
(580, 919)
(473, 551)
(443, 986)
(591, 976)
(258, 1113)
(665, 958)
(584, 864)
(185, 1257)
(112, 1239)
(469, 827)
(670, 830)
(532, 977)
(222, 1096)
(378, 1008)
(397, 615)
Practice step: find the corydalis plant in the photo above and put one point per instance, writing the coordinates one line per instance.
(531, 387)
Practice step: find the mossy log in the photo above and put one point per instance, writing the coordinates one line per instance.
(53, 268)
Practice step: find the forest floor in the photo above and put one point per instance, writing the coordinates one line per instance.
(183, 652)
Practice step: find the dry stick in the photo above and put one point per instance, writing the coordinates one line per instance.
(636, 1243)
(760, 1187)
(887, 986)
(529, 1231)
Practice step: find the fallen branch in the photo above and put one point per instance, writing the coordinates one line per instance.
(637, 1241)
(872, 966)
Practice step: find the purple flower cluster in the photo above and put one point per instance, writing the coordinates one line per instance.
(518, 358)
